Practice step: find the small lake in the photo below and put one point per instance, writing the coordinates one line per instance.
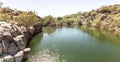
(74, 44)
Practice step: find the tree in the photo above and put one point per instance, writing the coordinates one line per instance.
(48, 19)
(59, 18)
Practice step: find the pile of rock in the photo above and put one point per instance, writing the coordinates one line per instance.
(12, 43)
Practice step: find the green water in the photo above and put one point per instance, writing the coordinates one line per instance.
(74, 44)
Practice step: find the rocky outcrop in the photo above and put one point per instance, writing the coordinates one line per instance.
(13, 41)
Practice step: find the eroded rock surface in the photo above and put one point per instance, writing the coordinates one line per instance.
(13, 41)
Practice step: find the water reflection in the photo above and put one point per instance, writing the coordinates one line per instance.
(49, 30)
(79, 44)
(102, 35)
(45, 56)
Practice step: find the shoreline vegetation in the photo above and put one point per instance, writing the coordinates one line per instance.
(105, 17)
(29, 24)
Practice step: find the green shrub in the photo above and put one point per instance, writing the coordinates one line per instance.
(48, 19)
(5, 17)
(27, 19)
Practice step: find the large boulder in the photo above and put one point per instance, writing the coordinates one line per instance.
(1, 59)
(12, 49)
(26, 52)
(4, 32)
(13, 40)
(13, 33)
(8, 58)
(2, 22)
(19, 56)
(7, 35)
(5, 44)
(6, 25)
(19, 41)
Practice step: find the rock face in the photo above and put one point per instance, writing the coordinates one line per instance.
(8, 58)
(12, 49)
(19, 41)
(19, 56)
(13, 41)
(1, 48)
(5, 44)
(1, 59)
(26, 52)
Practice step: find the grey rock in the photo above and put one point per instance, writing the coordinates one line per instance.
(26, 52)
(7, 35)
(1, 37)
(1, 59)
(12, 49)
(26, 37)
(2, 22)
(16, 29)
(2, 29)
(1, 48)
(19, 41)
(5, 44)
(12, 40)
(18, 57)
(6, 25)
(23, 38)
(13, 33)
(8, 58)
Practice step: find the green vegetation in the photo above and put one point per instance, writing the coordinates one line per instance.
(27, 18)
(19, 17)
(105, 17)
(48, 20)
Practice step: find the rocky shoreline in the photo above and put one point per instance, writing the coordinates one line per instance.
(13, 41)
(22, 26)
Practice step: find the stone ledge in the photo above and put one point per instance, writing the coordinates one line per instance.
(16, 58)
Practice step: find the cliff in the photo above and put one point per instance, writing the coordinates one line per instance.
(13, 41)
(16, 29)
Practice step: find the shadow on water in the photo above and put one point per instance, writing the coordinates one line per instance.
(34, 42)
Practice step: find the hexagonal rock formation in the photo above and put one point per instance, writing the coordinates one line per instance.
(12, 43)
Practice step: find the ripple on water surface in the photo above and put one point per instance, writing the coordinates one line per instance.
(46, 56)
(74, 45)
